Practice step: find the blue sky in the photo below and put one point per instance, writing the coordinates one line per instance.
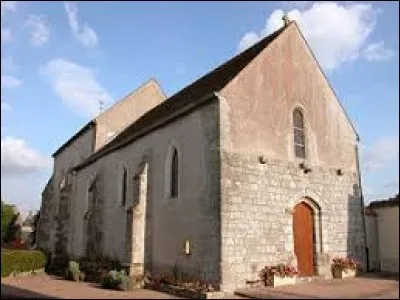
(60, 58)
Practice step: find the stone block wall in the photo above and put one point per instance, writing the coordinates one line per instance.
(45, 221)
(169, 222)
(256, 215)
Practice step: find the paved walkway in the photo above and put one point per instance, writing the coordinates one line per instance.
(368, 287)
(44, 286)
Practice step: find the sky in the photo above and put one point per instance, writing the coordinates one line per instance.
(60, 59)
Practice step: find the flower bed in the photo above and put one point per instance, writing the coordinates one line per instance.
(278, 275)
(344, 267)
(17, 245)
(186, 288)
(96, 270)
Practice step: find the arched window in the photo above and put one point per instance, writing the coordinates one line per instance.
(174, 174)
(298, 133)
(124, 184)
(92, 201)
(63, 182)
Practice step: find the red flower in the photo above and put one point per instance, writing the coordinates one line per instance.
(279, 270)
(344, 263)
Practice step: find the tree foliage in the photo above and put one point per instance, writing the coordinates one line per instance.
(34, 227)
(7, 218)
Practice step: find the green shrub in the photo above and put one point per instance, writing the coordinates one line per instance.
(73, 272)
(109, 281)
(17, 261)
(126, 283)
(96, 269)
(7, 216)
(117, 281)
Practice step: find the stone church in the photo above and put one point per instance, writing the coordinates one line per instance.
(255, 163)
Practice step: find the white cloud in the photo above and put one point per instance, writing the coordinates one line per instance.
(86, 35)
(383, 153)
(8, 5)
(336, 32)
(17, 158)
(380, 192)
(10, 81)
(249, 39)
(377, 52)
(39, 30)
(299, 4)
(77, 86)
(5, 106)
(6, 36)
(24, 191)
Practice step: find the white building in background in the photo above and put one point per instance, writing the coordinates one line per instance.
(382, 221)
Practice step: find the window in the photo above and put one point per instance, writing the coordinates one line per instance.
(171, 172)
(62, 182)
(298, 133)
(124, 184)
(174, 174)
(92, 196)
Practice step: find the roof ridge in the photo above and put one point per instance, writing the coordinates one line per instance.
(328, 82)
(266, 39)
(93, 120)
(209, 83)
(131, 93)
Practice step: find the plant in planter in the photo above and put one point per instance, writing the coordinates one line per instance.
(344, 267)
(73, 272)
(117, 281)
(278, 275)
(183, 282)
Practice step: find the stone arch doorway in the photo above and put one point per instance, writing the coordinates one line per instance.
(304, 238)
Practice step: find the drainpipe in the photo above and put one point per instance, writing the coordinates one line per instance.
(362, 206)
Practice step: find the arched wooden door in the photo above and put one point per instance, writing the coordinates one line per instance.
(303, 231)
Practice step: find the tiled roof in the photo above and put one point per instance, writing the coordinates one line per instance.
(195, 92)
(385, 203)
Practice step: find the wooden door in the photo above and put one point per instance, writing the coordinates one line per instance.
(303, 231)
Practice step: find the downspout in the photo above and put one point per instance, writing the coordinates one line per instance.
(362, 205)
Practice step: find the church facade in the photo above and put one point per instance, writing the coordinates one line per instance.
(253, 164)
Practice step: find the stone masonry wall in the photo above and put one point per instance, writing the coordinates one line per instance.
(169, 222)
(256, 204)
(44, 223)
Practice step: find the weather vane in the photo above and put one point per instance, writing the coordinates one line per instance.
(101, 105)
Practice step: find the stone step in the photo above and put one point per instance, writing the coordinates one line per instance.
(256, 283)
